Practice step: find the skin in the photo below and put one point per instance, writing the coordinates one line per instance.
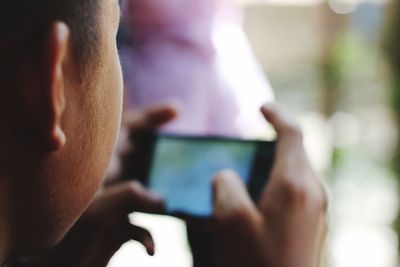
(286, 227)
(61, 127)
(60, 131)
(105, 226)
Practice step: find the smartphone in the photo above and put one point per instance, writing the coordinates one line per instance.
(180, 168)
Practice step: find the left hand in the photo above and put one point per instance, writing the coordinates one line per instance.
(133, 124)
(105, 226)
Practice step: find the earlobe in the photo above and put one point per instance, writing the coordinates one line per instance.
(58, 40)
(58, 139)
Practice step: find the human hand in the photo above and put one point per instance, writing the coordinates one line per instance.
(135, 123)
(286, 227)
(103, 228)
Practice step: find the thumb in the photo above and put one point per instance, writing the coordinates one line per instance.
(150, 118)
(239, 224)
(232, 203)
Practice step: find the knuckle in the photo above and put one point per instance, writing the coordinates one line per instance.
(242, 214)
(239, 216)
(294, 192)
(296, 195)
(303, 195)
(272, 207)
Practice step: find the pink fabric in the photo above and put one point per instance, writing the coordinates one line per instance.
(162, 13)
(174, 56)
(184, 18)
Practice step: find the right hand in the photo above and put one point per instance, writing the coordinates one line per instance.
(286, 228)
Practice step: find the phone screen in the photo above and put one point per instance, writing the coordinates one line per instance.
(182, 168)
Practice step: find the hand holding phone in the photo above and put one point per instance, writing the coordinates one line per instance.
(181, 168)
(286, 227)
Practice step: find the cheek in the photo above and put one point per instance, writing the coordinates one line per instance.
(115, 88)
(98, 141)
(99, 128)
(96, 137)
(110, 108)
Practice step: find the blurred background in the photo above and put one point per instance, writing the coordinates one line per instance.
(336, 65)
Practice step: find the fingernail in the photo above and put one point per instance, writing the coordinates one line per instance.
(150, 252)
(149, 244)
(267, 106)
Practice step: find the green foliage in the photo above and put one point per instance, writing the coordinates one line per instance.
(395, 86)
(391, 46)
(348, 59)
(392, 36)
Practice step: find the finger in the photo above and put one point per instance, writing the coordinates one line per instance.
(150, 118)
(113, 237)
(124, 231)
(139, 198)
(239, 224)
(143, 236)
(290, 155)
(290, 151)
(127, 197)
(292, 174)
(232, 203)
(286, 127)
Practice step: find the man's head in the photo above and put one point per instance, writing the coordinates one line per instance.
(17, 18)
(60, 108)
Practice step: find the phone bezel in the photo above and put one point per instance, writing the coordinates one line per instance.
(140, 164)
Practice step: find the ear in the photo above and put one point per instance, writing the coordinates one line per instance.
(55, 53)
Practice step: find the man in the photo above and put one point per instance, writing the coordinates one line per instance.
(60, 111)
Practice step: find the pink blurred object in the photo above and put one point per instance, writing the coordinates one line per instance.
(194, 53)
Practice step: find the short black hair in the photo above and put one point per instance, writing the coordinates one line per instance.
(82, 16)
